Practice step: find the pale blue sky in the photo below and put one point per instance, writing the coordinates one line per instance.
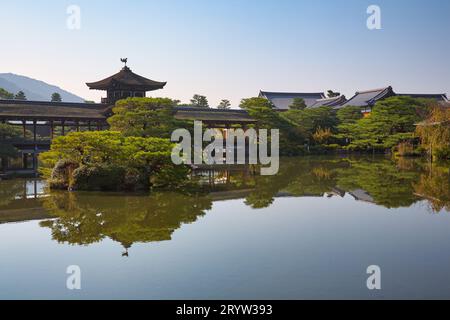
(231, 48)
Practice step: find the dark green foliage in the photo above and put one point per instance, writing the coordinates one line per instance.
(100, 177)
(146, 117)
(391, 122)
(20, 96)
(332, 94)
(224, 104)
(5, 94)
(8, 135)
(298, 104)
(291, 137)
(108, 161)
(199, 101)
(311, 120)
(56, 97)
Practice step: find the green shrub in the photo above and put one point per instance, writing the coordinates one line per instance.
(109, 161)
(62, 174)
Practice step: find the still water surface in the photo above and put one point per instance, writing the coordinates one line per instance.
(309, 232)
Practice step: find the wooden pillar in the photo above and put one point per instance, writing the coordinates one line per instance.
(25, 160)
(52, 130)
(35, 145)
(24, 129)
(35, 159)
(98, 126)
(63, 130)
(34, 131)
(77, 123)
(89, 125)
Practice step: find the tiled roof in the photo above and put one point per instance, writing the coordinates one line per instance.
(126, 78)
(330, 102)
(370, 97)
(10, 109)
(211, 115)
(282, 100)
(440, 97)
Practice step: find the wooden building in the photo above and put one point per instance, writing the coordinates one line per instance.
(42, 121)
(125, 84)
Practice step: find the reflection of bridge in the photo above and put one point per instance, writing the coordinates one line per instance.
(26, 205)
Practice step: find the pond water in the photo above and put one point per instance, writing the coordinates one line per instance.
(309, 232)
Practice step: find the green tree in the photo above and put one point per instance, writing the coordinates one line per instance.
(332, 94)
(5, 94)
(310, 120)
(8, 134)
(261, 109)
(298, 104)
(434, 132)
(56, 97)
(348, 118)
(107, 160)
(199, 101)
(20, 96)
(392, 121)
(224, 104)
(146, 117)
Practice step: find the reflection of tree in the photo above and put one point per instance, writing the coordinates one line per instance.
(435, 187)
(387, 183)
(85, 218)
(297, 177)
(10, 189)
(390, 183)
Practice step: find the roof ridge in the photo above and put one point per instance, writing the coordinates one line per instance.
(332, 98)
(374, 90)
(54, 103)
(281, 92)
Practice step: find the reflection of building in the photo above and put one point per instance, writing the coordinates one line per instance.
(20, 201)
(362, 195)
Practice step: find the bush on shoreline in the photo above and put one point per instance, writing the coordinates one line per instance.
(108, 161)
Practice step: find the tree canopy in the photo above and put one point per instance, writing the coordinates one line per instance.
(107, 160)
(332, 94)
(56, 97)
(224, 104)
(5, 94)
(391, 122)
(8, 134)
(434, 132)
(20, 96)
(298, 104)
(199, 101)
(145, 117)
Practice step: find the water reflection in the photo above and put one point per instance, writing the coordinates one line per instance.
(85, 218)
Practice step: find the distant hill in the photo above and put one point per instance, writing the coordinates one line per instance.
(34, 89)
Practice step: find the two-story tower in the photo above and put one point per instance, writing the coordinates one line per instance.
(125, 84)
